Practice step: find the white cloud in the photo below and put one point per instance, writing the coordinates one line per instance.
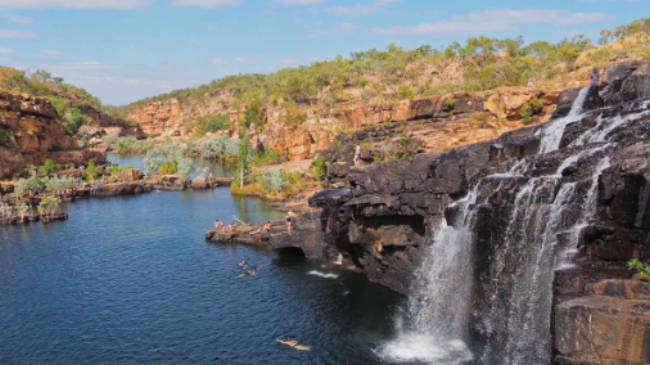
(6, 51)
(494, 21)
(4, 33)
(361, 9)
(73, 4)
(300, 2)
(16, 19)
(206, 3)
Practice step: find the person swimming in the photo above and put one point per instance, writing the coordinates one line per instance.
(294, 344)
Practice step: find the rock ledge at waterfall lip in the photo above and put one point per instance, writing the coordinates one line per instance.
(305, 236)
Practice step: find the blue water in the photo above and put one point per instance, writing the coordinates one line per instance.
(132, 281)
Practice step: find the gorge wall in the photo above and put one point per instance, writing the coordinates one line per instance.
(442, 122)
(551, 213)
(32, 132)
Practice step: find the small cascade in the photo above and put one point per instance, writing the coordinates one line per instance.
(551, 136)
(589, 206)
(541, 225)
(436, 326)
(606, 125)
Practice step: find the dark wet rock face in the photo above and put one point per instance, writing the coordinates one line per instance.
(532, 212)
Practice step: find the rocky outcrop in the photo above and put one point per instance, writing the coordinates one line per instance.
(108, 124)
(386, 221)
(30, 133)
(607, 324)
(305, 236)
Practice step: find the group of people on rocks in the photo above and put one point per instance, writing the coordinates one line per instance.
(289, 219)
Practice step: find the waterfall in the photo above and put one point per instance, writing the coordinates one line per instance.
(511, 326)
(438, 310)
(552, 134)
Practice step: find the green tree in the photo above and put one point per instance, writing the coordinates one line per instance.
(74, 119)
(91, 172)
(49, 167)
(243, 157)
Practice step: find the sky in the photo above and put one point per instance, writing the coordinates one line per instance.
(125, 50)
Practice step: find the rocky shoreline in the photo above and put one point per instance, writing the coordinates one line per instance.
(124, 188)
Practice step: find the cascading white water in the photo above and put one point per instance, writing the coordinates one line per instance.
(542, 234)
(552, 134)
(438, 308)
(588, 210)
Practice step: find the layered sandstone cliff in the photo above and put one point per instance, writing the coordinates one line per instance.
(31, 133)
(445, 121)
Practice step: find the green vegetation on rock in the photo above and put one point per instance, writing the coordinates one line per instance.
(639, 266)
(211, 123)
(91, 172)
(49, 167)
(5, 137)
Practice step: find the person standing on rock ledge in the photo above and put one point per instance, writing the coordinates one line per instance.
(289, 220)
(595, 77)
(357, 156)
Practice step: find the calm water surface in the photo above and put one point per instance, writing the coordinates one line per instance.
(200, 167)
(132, 281)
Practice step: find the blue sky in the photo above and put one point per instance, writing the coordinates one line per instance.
(123, 50)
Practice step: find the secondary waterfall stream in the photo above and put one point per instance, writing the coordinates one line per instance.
(512, 324)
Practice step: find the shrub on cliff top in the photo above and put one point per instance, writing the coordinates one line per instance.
(73, 120)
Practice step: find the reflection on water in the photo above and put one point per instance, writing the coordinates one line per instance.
(200, 167)
(132, 281)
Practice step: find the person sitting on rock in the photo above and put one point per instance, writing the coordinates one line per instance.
(218, 225)
(266, 228)
(289, 220)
